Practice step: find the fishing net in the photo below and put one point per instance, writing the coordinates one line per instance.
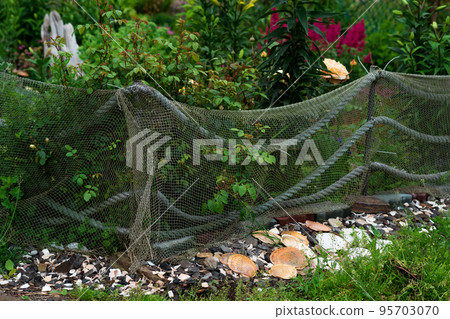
(162, 178)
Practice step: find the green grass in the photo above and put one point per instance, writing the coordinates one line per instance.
(87, 294)
(415, 267)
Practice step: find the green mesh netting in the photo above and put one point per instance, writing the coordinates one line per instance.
(393, 126)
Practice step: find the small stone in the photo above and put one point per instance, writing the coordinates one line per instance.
(207, 276)
(77, 261)
(113, 273)
(33, 252)
(64, 267)
(183, 277)
(59, 247)
(46, 288)
(48, 278)
(205, 285)
(335, 222)
(185, 264)
(25, 286)
(361, 221)
(225, 249)
(251, 241)
(42, 267)
(4, 282)
(160, 283)
(165, 266)
(211, 263)
(74, 246)
(170, 294)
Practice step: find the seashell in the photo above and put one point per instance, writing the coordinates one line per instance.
(224, 259)
(297, 235)
(242, 265)
(267, 237)
(283, 271)
(289, 256)
(204, 255)
(291, 241)
(317, 226)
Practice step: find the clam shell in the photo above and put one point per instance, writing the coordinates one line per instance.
(289, 256)
(267, 237)
(283, 271)
(291, 241)
(317, 226)
(242, 265)
(204, 255)
(224, 259)
(296, 234)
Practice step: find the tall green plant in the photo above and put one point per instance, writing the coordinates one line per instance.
(289, 54)
(425, 42)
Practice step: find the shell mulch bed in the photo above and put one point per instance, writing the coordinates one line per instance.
(265, 258)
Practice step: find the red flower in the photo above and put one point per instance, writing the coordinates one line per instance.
(368, 58)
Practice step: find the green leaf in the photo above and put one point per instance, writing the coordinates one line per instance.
(252, 192)
(87, 196)
(302, 17)
(81, 28)
(9, 265)
(89, 90)
(241, 190)
(211, 205)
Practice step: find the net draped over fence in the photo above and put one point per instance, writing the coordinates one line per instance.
(87, 174)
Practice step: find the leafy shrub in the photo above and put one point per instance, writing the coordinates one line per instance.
(425, 41)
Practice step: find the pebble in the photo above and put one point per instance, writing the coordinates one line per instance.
(183, 277)
(205, 285)
(226, 249)
(335, 222)
(170, 294)
(211, 263)
(46, 288)
(185, 264)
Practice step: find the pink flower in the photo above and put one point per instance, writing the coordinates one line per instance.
(355, 37)
(368, 58)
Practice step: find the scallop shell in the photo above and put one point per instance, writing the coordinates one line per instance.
(225, 258)
(317, 226)
(283, 271)
(267, 237)
(296, 234)
(204, 255)
(289, 256)
(242, 265)
(291, 241)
